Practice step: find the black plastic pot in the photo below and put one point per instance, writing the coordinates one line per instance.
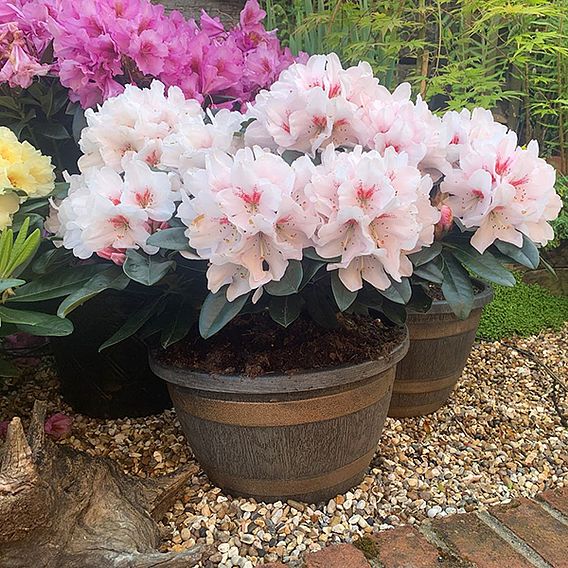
(115, 383)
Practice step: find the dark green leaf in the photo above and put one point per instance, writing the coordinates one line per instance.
(343, 297)
(420, 301)
(217, 312)
(289, 283)
(310, 269)
(133, 323)
(426, 254)
(53, 130)
(394, 312)
(171, 239)
(484, 265)
(285, 310)
(430, 272)
(321, 307)
(79, 122)
(146, 269)
(7, 369)
(36, 323)
(5, 284)
(527, 255)
(398, 292)
(179, 322)
(457, 287)
(112, 278)
(57, 284)
(313, 255)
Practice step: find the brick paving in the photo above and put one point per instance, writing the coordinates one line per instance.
(523, 534)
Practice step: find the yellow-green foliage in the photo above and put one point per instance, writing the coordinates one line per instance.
(525, 309)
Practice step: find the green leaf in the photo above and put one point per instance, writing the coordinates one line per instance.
(398, 292)
(527, 255)
(6, 243)
(484, 265)
(321, 307)
(8, 283)
(146, 269)
(57, 284)
(171, 239)
(134, 323)
(394, 312)
(53, 130)
(217, 312)
(310, 269)
(426, 254)
(178, 324)
(112, 278)
(430, 272)
(313, 255)
(289, 283)
(7, 369)
(285, 310)
(457, 287)
(22, 252)
(51, 259)
(343, 296)
(36, 323)
(420, 301)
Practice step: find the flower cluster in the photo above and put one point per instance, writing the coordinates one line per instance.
(320, 103)
(251, 213)
(494, 187)
(101, 44)
(24, 37)
(137, 148)
(24, 173)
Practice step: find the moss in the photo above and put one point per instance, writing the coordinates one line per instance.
(523, 310)
(368, 547)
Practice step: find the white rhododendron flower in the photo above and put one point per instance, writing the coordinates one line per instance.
(248, 227)
(499, 189)
(374, 211)
(326, 159)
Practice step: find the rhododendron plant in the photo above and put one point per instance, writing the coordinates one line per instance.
(330, 194)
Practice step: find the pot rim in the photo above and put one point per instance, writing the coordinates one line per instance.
(479, 300)
(272, 383)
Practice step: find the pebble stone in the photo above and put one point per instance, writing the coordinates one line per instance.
(500, 437)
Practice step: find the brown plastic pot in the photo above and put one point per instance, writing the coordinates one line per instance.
(305, 436)
(440, 344)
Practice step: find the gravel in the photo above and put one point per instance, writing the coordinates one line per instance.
(502, 436)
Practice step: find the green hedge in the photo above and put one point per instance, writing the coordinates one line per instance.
(525, 309)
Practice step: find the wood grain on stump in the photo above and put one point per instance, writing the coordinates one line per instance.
(64, 509)
(227, 10)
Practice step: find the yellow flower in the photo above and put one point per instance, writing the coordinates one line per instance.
(9, 204)
(23, 169)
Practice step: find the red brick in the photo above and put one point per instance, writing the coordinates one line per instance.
(475, 542)
(557, 499)
(337, 556)
(541, 531)
(405, 547)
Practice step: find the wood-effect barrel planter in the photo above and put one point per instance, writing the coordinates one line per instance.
(305, 436)
(440, 344)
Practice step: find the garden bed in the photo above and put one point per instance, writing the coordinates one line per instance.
(500, 437)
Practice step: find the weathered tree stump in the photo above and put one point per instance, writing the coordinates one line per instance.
(61, 508)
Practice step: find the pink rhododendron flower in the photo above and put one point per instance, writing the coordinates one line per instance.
(58, 426)
(445, 223)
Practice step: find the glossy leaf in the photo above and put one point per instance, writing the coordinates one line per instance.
(343, 297)
(285, 310)
(289, 283)
(426, 254)
(216, 312)
(484, 265)
(36, 323)
(457, 287)
(170, 239)
(146, 269)
(398, 292)
(527, 255)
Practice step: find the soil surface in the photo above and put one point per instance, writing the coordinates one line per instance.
(435, 291)
(254, 345)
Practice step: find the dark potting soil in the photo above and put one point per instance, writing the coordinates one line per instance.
(254, 345)
(435, 291)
